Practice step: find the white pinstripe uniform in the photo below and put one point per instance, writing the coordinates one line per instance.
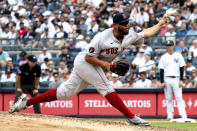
(104, 46)
(171, 65)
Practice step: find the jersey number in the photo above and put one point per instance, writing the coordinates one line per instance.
(112, 51)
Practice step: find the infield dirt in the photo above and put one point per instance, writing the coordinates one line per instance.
(34, 122)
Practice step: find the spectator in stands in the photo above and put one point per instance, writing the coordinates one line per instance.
(135, 10)
(185, 54)
(181, 46)
(54, 5)
(4, 36)
(148, 64)
(170, 35)
(160, 10)
(102, 24)
(3, 57)
(193, 49)
(186, 14)
(93, 27)
(146, 46)
(157, 57)
(45, 36)
(140, 58)
(65, 75)
(22, 32)
(44, 65)
(193, 16)
(36, 41)
(143, 82)
(194, 78)
(12, 36)
(57, 81)
(48, 76)
(142, 17)
(8, 76)
(64, 53)
(51, 65)
(43, 55)
(9, 66)
(23, 58)
(189, 67)
(83, 24)
(155, 82)
(187, 83)
(115, 82)
(133, 50)
(60, 35)
(62, 68)
(151, 73)
(192, 32)
(81, 43)
(153, 21)
(182, 31)
(129, 83)
(133, 73)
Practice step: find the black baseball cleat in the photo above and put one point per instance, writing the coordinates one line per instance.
(137, 121)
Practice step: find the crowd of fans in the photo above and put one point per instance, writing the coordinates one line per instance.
(71, 24)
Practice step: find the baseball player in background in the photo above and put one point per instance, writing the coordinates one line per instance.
(89, 64)
(171, 67)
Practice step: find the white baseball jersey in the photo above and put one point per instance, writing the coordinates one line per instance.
(171, 64)
(104, 46)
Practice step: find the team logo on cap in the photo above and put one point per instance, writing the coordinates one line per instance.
(91, 50)
(124, 16)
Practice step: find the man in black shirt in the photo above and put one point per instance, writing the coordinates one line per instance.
(28, 77)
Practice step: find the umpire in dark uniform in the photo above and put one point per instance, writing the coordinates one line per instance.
(28, 77)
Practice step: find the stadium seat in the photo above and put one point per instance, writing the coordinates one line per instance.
(13, 56)
(44, 84)
(7, 84)
(54, 55)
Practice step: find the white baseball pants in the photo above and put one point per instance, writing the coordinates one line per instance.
(172, 86)
(82, 75)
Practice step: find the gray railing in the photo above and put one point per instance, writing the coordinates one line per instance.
(156, 42)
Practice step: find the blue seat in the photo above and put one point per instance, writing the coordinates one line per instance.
(44, 84)
(8, 84)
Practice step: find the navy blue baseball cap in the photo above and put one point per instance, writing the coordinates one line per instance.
(120, 18)
(169, 43)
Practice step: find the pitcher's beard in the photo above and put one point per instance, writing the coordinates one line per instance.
(123, 32)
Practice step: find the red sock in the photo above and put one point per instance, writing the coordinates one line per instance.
(50, 95)
(116, 102)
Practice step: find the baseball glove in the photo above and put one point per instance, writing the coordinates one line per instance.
(119, 67)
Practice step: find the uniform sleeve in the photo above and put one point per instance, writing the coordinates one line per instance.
(20, 70)
(161, 63)
(38, 73)
(182, 61)
(133, 38)
(93, 49)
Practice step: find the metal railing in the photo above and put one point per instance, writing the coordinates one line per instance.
(156, 42)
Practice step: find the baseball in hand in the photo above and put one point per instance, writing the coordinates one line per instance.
(170, 12)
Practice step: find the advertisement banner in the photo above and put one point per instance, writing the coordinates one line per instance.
(190, 100)
(95, 104)
(1, 101)
(59, 107)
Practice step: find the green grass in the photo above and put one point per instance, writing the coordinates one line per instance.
(162, 123)
(186, 126)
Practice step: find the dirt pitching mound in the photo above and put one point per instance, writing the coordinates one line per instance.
(33, 122)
